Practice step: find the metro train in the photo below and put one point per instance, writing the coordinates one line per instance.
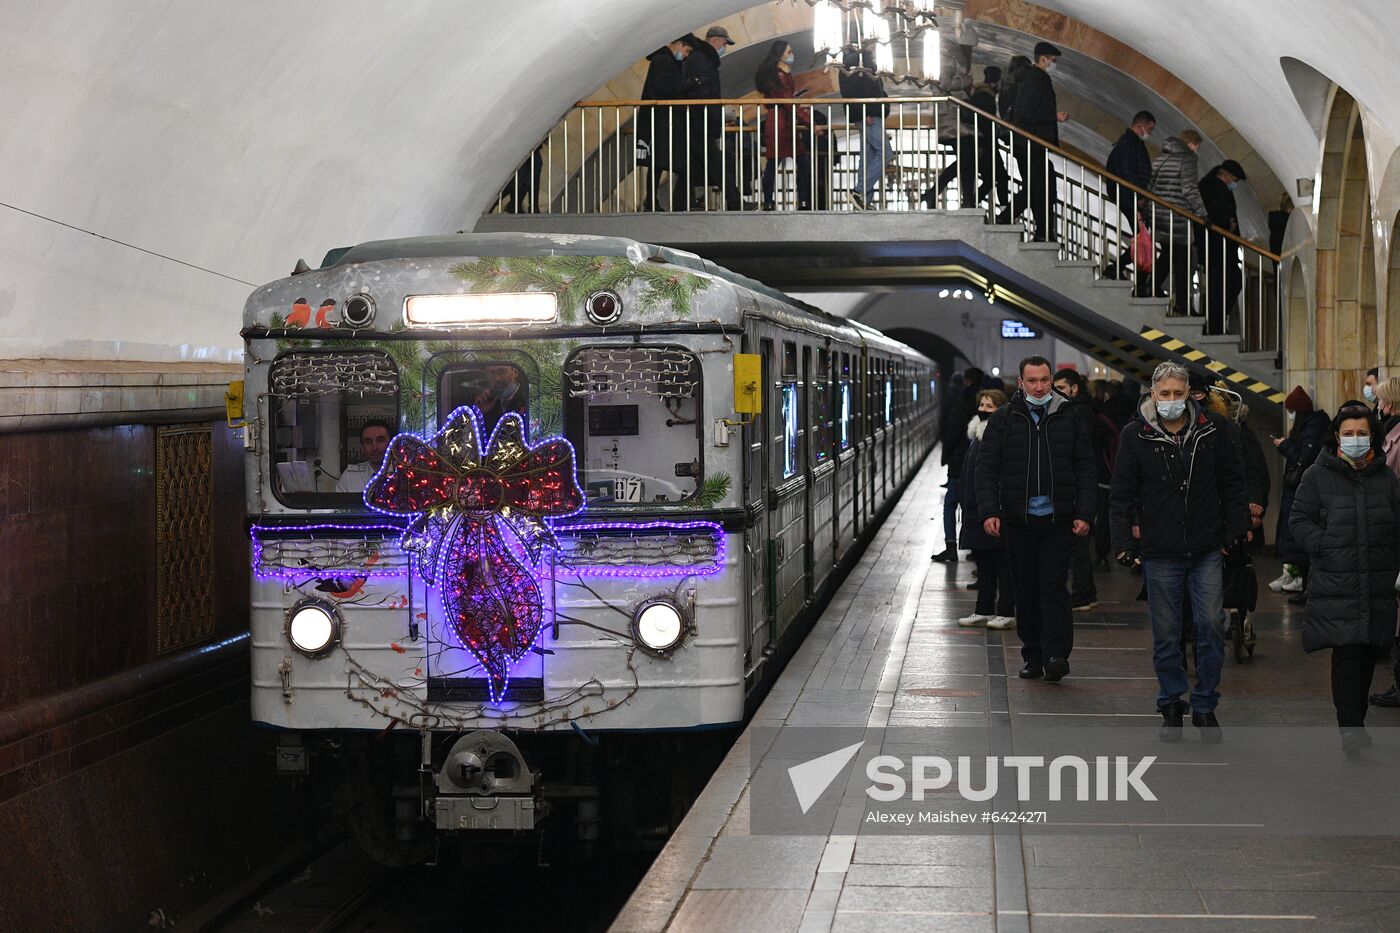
(530, 513)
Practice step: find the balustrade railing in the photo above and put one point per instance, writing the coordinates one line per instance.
(897, 155)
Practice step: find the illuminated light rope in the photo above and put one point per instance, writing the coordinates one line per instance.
(265, 569)
(481, 526)
(584, 568)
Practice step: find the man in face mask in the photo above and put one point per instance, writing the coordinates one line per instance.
(1178, 479)
(1131, 162)
(1220, 254)
(1037, 491)
(1368, 389)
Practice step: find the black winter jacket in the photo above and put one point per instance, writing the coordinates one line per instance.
(1348, 522)
(1130, 161)
(665, 129)
(962, 412)
(700, 72)
(1019, 459)
(1176, 180)
(1187, 498)
(973, 537)
(1035, 110)
(1256, 472)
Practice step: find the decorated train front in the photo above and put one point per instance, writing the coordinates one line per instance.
(491, 496)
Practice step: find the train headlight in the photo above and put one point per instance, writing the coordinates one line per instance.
(358, 311)
(659, 625)
(603, 307)
(313, 628)
(489, 308)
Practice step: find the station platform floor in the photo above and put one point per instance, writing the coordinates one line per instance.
(888, 653)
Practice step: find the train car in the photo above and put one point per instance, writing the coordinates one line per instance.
(530, 513)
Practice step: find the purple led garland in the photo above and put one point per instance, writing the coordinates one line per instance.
(673, 570)
(287, 573)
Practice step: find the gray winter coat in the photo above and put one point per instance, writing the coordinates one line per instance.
(1175, 179)
(1348, 521)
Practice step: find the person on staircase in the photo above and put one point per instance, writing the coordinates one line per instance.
(662, 129)
(1035, 112)
(786, 127)
(955, 444)
(996, 598)
(1036, 491)
(859, 80)
(1175, 178)
(1300, 448)
(976, 150)
(1178, 479)
(1346, 516)
(1220, 255)
(1131, 162)
(700, 72)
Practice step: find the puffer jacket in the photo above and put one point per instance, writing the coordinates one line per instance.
(1348, 522)
(1019, 458)
(973, 537)
(1175, 179)
(1186, 498)
(1301, 448)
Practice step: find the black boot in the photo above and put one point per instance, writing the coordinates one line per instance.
(1389, 700)
(1209, 726)
(949, 555)
(1172, 726)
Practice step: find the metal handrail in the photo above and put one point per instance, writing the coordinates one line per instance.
(612, 156)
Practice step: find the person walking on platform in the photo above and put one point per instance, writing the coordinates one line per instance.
(1083, 593)
(1346, 515)
(996, 600)
(1178, 479)
(1036, 491)
(1301, 447)
(955, 445)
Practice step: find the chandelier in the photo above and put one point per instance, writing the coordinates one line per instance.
(904, 32)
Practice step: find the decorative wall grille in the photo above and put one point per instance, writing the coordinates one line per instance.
(184, 536)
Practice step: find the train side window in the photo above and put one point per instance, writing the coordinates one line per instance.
(633, 416)
(846, 405)
(332, 415)
(789, 409)
(492, 387)
(821, 407)
(889, 396)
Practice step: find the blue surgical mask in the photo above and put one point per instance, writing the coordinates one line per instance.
(1041, 401)
(1233, 185)
(789, 58)
(1171, 411)
(680, 56)
(1369, 392)
(721, 50)
(1355, 448)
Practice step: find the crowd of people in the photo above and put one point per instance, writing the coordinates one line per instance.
(1058, 473)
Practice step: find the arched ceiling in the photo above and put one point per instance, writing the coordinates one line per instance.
(159, 156)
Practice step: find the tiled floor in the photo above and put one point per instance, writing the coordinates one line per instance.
(888, 652)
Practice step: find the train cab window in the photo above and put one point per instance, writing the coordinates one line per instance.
(633, 416)
(789, 414)
(332, 416)
(492, 387)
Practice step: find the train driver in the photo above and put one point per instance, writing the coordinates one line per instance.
(374, 440)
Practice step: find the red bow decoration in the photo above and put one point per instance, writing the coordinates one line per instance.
(481, 526)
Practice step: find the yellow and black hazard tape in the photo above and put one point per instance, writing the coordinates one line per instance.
(1238, 380)
(1126, 362)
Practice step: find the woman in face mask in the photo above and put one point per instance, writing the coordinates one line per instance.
(786, 127)
(996, 601)
(1387, 399)
(1346, 515)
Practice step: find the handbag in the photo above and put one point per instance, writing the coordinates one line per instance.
(1144, 250)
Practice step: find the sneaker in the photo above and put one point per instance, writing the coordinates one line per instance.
(1085, 606)
(949, 556)
(1209, 726)
(1030, 671)
(1277, 585)
(1056, 669)
(1292, 585)
(1172, 726)
(1001, 622)
(1353, 742)
(973, 620)
(857, 201)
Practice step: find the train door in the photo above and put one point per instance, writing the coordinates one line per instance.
(811, 437)
(757, 560)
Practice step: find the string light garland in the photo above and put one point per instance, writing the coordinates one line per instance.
(296, 551)
(481, 526)
(615, 549)
(667, 372)
(307, 375)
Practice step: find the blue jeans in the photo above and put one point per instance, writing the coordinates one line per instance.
(1168, 580)
(950, 512)
(874, 153)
